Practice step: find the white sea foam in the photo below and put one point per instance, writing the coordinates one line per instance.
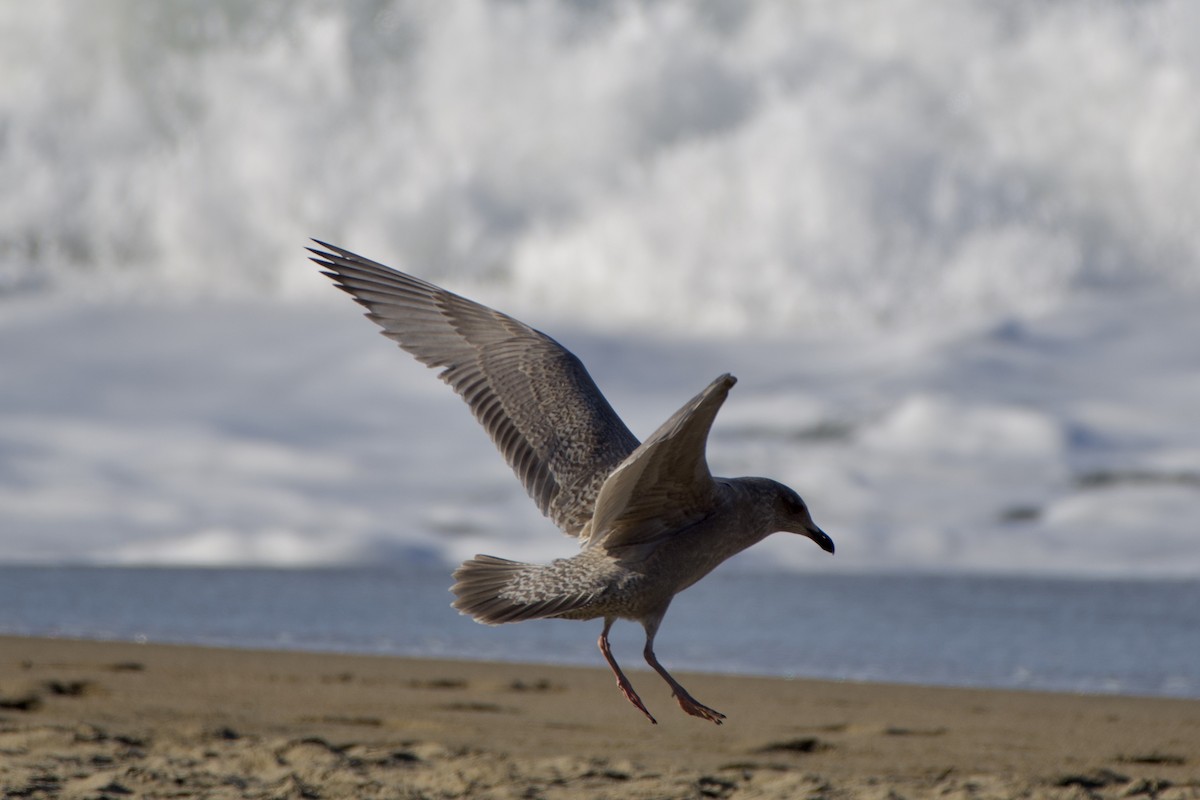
(199, 433)
(819, 166)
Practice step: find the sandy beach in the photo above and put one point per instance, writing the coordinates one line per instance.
(98, 719)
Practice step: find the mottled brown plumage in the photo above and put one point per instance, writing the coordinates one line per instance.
(651, 518)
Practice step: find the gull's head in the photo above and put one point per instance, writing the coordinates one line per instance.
(791, 515)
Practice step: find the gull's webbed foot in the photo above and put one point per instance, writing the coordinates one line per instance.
(698, 709)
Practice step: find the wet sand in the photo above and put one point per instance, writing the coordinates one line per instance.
(99, 719)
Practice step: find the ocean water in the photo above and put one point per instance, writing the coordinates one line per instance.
(949, 249)
(1095, 636)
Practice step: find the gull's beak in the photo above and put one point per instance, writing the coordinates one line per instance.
(821, 538)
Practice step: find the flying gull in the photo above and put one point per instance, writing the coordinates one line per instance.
(650, 518)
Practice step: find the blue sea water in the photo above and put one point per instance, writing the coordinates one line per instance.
(1136, 637)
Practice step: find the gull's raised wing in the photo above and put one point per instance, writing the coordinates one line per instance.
(532, 395)
(664, 485)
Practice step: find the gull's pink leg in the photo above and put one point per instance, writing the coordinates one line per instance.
(686, 701)
(622, 682)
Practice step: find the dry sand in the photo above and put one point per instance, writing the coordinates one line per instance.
(116, 720)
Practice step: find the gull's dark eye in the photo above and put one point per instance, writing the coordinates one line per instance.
(793, 502)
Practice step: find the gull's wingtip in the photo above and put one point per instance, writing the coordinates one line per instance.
(325, 251)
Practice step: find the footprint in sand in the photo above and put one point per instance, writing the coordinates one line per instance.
(26, 701)
(898, 730)
(802, 745)
(438, 683)
(540, 685)
(486, 708)
(69, 688)
(1154, 759)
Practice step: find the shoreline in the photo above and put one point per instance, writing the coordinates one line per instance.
(592, 661)
(636, 665)
(77, 716)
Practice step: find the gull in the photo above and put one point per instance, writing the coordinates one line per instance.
(650, 518)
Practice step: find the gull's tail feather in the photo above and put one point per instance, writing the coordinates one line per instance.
(495, 590)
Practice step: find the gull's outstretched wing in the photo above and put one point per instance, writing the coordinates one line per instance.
(664, 485)
(534, 397)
